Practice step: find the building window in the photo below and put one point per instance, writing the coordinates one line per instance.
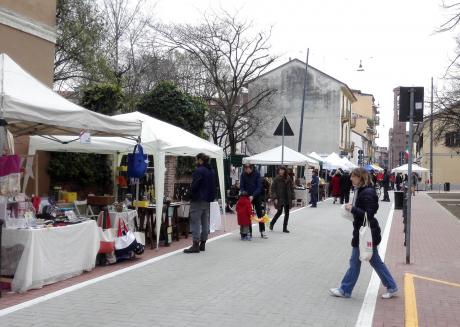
(453, 139)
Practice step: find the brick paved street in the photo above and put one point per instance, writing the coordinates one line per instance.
(434, 254)
(282, 281)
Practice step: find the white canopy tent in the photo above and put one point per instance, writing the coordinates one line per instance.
(347, 163)
(273, 157)
(31, 108)
(316, 156)
(158, 138)
(404, 169)
(333, 161)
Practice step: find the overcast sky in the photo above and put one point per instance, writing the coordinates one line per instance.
(395, 39)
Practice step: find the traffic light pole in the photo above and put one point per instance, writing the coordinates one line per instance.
(409, 173)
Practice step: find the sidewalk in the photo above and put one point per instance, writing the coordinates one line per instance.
(282, 281)
(432, 297)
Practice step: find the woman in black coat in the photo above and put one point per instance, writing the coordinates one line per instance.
(365, 201)
(282, 194)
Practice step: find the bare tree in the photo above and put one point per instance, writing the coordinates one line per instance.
(231, 56)
(126, 29)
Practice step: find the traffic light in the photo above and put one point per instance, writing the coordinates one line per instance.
(360, 157)
(401, 158)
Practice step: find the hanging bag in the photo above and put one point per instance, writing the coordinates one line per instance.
(366, 245)
(137, 162)
(125, 242)
(10, 174)
(106, 233)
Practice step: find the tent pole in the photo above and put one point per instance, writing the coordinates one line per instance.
(36, 173)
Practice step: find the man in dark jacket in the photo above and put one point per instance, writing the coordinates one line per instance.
(314, 189)
(386, 185)
(251, 183)
(345, 187)
(203, 192)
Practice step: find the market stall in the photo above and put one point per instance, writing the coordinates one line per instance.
(61, 249)
(333, 161)
(158, 138)
(291, 158)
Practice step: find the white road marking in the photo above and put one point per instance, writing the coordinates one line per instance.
(366, 314)
(78, 286)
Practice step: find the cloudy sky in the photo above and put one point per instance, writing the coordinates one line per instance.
(395, 39)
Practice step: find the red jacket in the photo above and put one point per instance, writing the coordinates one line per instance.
(335, 186)
(244, 211)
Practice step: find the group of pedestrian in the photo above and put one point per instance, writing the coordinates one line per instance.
(363, 207)
(341, 186)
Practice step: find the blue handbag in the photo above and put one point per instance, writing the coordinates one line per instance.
(137, 162)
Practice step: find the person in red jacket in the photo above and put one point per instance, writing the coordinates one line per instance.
(336, 192)
(243, 214)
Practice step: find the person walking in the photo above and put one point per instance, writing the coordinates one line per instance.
(282, 193)
(398, 182)
(392, 181)
(314, 188)
(386, 185)
(251, 183)
(203, 192)
(345, 188)
(365, 202)
(335, 182)
(243, 214)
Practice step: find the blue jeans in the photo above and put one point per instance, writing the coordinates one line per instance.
(352, 274)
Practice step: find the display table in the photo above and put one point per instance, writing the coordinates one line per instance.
(303, 195)
(129, 217)
(52, 254)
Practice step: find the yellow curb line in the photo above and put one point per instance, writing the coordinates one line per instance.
(410, 303)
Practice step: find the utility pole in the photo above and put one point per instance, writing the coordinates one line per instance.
(409, 172)
(299, 149)
(282, 142)
(431, 137)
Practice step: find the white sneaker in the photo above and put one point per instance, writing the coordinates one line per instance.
(389, 294)
(336, 292)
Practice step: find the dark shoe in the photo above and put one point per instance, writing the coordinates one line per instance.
(286, 231)
(271, 227)
(203, 246)
(195, 248)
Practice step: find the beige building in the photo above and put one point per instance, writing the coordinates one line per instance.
(365, 120)
(446, 155)
(28, 36)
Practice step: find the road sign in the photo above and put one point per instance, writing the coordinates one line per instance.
(287, 128)
(404, 103)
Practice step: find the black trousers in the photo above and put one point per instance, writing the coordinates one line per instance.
(345, 197)
(314, 199)
(278, 214)
(386, 196)
(257, 203)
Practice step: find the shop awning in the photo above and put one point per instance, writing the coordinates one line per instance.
(31, 108)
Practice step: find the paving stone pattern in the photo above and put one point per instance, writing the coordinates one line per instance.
(282, 281)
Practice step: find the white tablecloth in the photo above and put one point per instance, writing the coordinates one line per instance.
(128, 217)
(52, 254)
(215, 217)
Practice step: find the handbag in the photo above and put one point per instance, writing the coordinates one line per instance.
(366, 245)
(137, 162)
(106, 233)
(10, 174)
(125, 241)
